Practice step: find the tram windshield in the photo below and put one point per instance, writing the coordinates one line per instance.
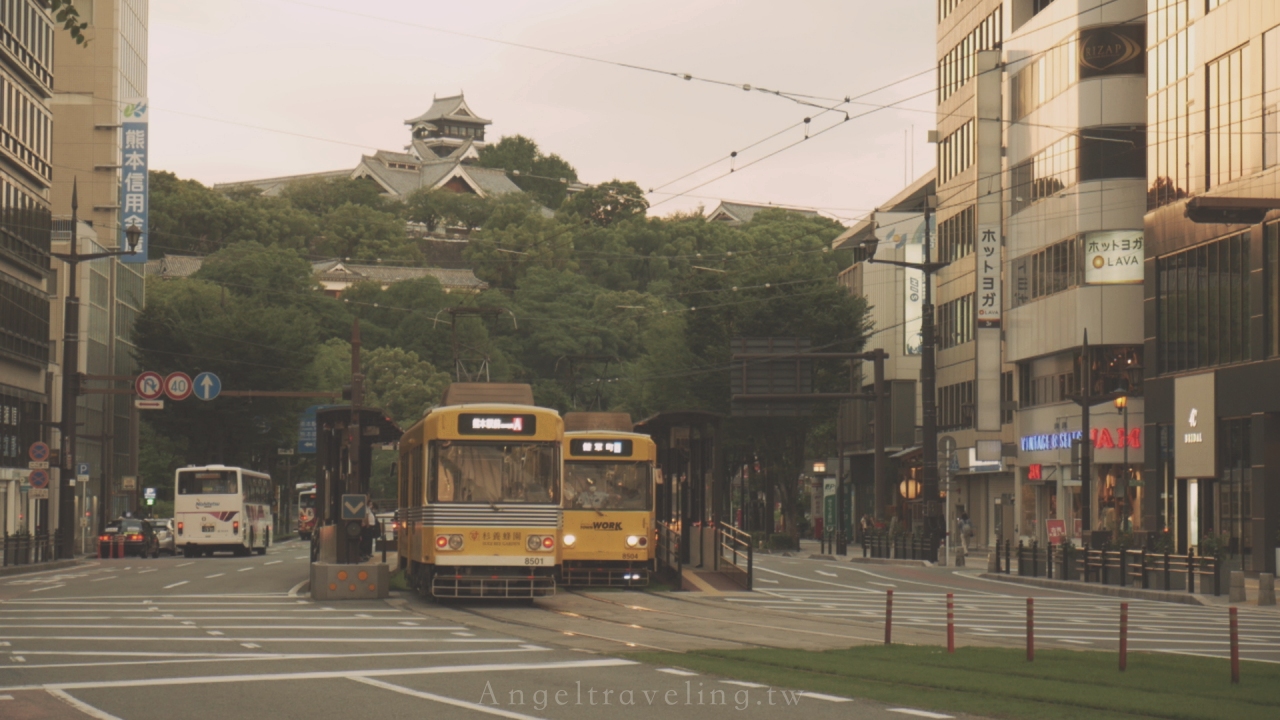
(307, 500)
(495, 472)
(608, 485)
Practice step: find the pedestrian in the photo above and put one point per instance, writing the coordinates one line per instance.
(368, 532)
(966, 531)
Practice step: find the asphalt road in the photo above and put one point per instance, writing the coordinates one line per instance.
(184, 638)
(990, 609)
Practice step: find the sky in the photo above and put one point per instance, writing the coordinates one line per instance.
(245, 89)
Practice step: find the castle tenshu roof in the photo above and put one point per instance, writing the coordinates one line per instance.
(742, 213)
(453, 108)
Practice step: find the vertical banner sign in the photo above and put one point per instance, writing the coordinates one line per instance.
(901, 236)
(135, 201)
(307, 431)
(989, 355)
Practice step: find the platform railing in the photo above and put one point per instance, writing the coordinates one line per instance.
(668, 555)
(734, 555)
(1137, 568)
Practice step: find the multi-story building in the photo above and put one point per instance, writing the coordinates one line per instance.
(1074, 200)
(26, 85)
(93, 83)
(1212, 299)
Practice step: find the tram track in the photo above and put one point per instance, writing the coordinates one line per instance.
(634, 645)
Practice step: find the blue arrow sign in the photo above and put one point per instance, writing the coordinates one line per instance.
(207, 386)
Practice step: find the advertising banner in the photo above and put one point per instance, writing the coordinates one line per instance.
(901, 237)
(1113, 257)
(135, 200)
(1113, 50)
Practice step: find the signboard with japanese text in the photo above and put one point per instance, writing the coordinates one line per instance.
(1113, 257)
(901, 236)
(135, 201)
(307, 431)
(988, 260)
(1057, 529)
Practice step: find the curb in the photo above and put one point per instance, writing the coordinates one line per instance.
(1181, 598)
(822, 557)
(889, 561)
(38, 567)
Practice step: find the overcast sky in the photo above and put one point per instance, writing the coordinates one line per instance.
(243, 89)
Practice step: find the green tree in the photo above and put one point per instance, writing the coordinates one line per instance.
(545, 177)
(608, 203)
(318, 196)
(361, 232)
(400, 383)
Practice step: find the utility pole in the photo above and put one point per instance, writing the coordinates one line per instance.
(71, 373)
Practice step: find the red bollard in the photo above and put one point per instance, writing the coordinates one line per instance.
(1235, 648)
(1124, 636)
(1031, 630)
(888, 617)
(951, 623)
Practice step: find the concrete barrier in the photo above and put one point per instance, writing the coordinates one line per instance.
(1267, 589)
(1237, 587)
(368, 581)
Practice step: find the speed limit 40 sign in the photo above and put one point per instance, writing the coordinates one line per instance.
(178, 386)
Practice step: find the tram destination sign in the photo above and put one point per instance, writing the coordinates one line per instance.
(600, 448)
(497, 424)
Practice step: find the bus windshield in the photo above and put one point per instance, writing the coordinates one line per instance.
(494, 472)
(607, 485)
(207, 482)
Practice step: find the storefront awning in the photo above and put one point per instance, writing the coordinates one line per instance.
(908, 451)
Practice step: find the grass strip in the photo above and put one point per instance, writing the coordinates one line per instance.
(998, 682)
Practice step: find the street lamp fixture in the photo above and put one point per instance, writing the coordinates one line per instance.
(71, 376)
(1122, 402)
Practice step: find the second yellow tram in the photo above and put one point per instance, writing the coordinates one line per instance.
(480, 501)
(608, 538)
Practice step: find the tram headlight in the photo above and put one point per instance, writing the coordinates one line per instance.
(537, 543)
(548, 542)
(442, 541)
(633, 541)
(455, 542)
(569, 540)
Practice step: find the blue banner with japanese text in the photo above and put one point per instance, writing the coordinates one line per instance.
(135, 201)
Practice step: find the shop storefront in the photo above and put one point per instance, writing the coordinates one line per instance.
(979, 490)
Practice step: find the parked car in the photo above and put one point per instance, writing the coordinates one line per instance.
(165, 537)
(128, 536)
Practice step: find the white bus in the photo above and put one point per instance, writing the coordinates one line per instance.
(217, 507)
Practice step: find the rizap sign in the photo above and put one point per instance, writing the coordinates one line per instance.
(1113, 50)
(1113, 258)
(1195, 430)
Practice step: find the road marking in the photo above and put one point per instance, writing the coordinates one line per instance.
(109, 577)
(82, 706)
(169, 639)
(251, 646)
(214, 632)
(193, 562)
(743, 683)
(763, 580)
(872, 582)
(273, 562)
(245, 569)
(144, 572)
(293, 591)
(820, 696)
(50, 587)
(822, 572)
(919, 713)
(18, 658)
(303, 557)
(1076, 642)
(328, 675)
(465, 634)
(409, 622)
(674, 671)
(445, 700)
(244, 657)
(6, 697)
(366, 617)
(180, 582)
(210, 577)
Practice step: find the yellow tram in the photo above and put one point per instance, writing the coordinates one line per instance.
(609, 478)
(480, 497)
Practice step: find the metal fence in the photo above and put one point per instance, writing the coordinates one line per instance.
(734, 555)
(1126, 568)
(669, 563)
(25, 549)
(903, 546)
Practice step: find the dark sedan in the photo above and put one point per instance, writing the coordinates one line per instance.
(124, 537)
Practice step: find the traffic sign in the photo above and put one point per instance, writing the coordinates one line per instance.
(38, 494)
(353, 506)
(177, 386)
(38, 451)
(149, 493)
(33, 465)
(128, 482)
(207, 386)
(82, 468)
(38, 479)
(149, 385)
(148, 404)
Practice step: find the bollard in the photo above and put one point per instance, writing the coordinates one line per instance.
(888, 617)
(1031, 630)
(1235, 648)
(1124, 636)
(1266, 589)
(1237, 587)
(951, 623)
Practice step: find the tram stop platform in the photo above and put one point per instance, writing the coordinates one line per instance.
(363, 581)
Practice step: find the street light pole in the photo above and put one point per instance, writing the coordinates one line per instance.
(71, 374)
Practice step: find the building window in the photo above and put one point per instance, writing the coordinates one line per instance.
(19, 428)
(1231, 512)
(24, 322)
(1043, 79)
(1211, 4)
(1271, 286)
(956, 235)
(1045, 389)
(1051, 171)
(1271, 98)
(956, 322)
(1225, 120)
(958, 66)
(955, 406)
(1051, 270)
(1202, 300)
(945, 7)
(1107, 153)
(1006, 398)
(1171, 38)
(955, 152)
(1039, 5)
